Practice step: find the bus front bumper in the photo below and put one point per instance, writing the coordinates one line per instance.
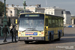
(31, 38)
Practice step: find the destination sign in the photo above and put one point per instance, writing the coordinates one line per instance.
(31, 15)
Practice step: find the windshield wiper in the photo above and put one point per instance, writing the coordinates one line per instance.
(31, 29)
(34, 30)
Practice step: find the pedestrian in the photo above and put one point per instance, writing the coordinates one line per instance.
(13, 32)
(5, 31)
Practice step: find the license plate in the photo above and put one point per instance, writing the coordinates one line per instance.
(30, 37)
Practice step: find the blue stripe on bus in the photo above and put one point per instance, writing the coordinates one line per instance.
(60, 32)
(52, 33)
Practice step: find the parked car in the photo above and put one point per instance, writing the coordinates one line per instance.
(70, 26)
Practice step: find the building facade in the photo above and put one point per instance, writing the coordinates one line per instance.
(59, 12)
(11, 11)
(73, 20)
(54, 11)
(67, 17)
(15, 10)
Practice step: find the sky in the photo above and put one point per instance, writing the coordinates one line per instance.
(68, 5)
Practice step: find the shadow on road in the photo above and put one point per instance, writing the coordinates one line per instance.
(63, 40)
(66, 39)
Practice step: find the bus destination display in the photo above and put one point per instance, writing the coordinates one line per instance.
(31, 15)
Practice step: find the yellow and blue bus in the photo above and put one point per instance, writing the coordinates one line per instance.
(40, 27)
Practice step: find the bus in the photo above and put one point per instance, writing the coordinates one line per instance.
(40, 27)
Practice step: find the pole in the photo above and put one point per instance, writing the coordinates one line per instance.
(4, 8)
(24, 5)
(5, 18)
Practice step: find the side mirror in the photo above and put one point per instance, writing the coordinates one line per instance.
(46, 27)
(16, 21)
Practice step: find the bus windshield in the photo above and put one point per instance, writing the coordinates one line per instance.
(31, 23)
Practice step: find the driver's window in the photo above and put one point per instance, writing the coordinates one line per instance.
(46, 21)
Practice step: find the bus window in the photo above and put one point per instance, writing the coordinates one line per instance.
(31, 22)
(56, 23)
(50, 22)
(46, 21)
(61, 22)
(53, 22)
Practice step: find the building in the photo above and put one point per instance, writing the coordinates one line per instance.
(67, 17)
(59, 12)
(40, 10)
(15, 10)
(73, 20)
(31, 8)
(36, 8)
(11, 11)
(54, 11)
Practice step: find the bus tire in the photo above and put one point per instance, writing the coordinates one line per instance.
(26, 42)
(49, 37)
(59, 36)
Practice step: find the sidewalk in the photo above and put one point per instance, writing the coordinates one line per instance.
(9, 40)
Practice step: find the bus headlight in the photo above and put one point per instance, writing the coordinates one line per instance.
(41, 34)
(19, 34)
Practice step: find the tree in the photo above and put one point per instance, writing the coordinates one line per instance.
(1, 8)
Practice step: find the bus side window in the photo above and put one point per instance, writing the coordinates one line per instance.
(61, 22)
(18, 20)
(46, 21)
(50, 22)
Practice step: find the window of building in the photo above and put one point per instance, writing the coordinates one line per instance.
(61, 12)
(51, 12)
(10, 11)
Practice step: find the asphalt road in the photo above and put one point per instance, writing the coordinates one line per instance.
(66, 43)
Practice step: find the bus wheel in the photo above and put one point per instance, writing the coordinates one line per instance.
(49, 37)
(26, 42)
(59, 37)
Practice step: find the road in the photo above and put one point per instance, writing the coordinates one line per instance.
(66, 43)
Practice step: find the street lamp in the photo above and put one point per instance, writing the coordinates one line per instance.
(5, 18)
(24, 4)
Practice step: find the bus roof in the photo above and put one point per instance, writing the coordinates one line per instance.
(31, 13)
(54, 15)
(43, 13)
